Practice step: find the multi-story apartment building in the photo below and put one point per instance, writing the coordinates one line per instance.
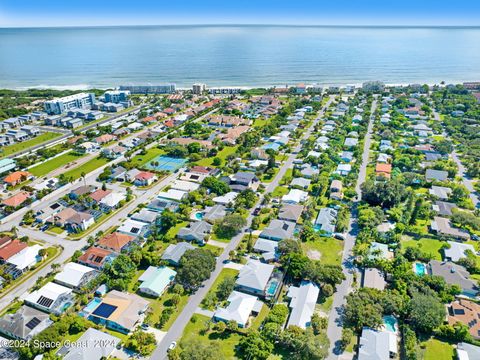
(62, 105)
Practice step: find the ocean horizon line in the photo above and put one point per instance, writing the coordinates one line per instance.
(346, 26)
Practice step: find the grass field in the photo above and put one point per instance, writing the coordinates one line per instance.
(330, 249)
(225, 273)
(429, 246)
(279, 191)
(12, 149)
(227, 150)
(226, 341)
(151, 154)
(438, 350)
(55, 163)
(89, 166)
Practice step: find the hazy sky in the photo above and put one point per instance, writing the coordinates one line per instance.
(301, 12)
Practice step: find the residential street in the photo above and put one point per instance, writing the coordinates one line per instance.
(334, 330)
(176, 330)
(465, 180)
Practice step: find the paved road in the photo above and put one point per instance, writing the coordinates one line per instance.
(467, 182)
(334, 329)
(176, 330)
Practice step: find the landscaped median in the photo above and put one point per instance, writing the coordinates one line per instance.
(53, 164)
(24, 145)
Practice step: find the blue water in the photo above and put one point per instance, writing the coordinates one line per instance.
(199, 215)
(390, 323)
(420, 269)
(272, 287)
(92, 305)
(236, 55)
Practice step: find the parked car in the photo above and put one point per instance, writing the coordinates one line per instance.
(256, 212)
(172, 346)
(339, 236)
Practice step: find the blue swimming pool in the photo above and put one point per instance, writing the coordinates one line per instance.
(272, 287)
(390, 323)
(199, 215)
(420, 269)
(92, 305)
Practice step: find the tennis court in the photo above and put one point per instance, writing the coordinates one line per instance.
(166, 163)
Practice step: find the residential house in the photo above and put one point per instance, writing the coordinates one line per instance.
(16, 200)
(90, 349)
(214, 213)
(79, 222)
(346, 156)
(112, 200)
(51, 298)
(99, 194)
(75, 276)
(145, 178)
(437, 175)
(10, 249)
(196, 231)
(290, 212)
(383, 171)
(120, 311)
(172, 194)
(81, 190)
(268, 249)
(225, 199)
(186, 186)
(17, 177)
(443, 208)
(454, 274)
(134, 228)
(105, 138)
(278, 230)
(146, 216)
(326, 220)
(242, 181)
(373, 278)
(377, 345)
(24, 260)
(155, 280)
(303, 300)
(467, 313)
(308, 171)
(350, 142)
(254, 277)
(96, 257)
(379, 250)
(25, 323)
(467, 351)
(457, 251)
(440, 192)
(239, 309)
(343, 169)
(301, 183)
(174, 252)
(295, 196)
(336, 190)
(442, 226)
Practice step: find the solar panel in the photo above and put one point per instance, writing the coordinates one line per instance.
(104, 310)
(135, 230)
(98, 259)
(33, 323)
(44, 301)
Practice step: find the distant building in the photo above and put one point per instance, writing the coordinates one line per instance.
(62, 105)
(150, 89)
(198, 89)
(116, 96)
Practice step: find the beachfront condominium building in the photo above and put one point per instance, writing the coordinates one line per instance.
(116, 96)
(198, 89)
(76, 101)
(149, 89)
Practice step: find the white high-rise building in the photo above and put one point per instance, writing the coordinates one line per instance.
(198, 89)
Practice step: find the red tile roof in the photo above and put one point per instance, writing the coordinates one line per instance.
(16, 177)
(11, 249)
(144, 175)
(99, 194)
(115, 241)
(94, 256)
(17, 199)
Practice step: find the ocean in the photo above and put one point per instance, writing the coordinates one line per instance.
(236, 55)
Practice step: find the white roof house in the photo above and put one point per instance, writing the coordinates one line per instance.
(343, 169)
(239, 308)
(303, 300)
(91, 351)
(172, 194)
(184, 185)
(295, 196)
(225, 199)
(25, 258)
(254, 277)
(377, 345)
(457, 251)
(133, 227)
(75, 275)
(49, 297)
(113, 199)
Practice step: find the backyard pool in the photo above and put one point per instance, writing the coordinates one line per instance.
(390, 323)
(272, 287)
(199, 215)
(165, 163)
(419, 269)
(92, 305)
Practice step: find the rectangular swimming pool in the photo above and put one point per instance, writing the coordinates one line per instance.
(166, 163)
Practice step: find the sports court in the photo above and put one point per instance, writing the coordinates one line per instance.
(166, 163)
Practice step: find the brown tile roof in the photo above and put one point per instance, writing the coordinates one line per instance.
(4, 240)
(99, 194)
(105, 138)
(11, 249)
(16, 177)
(115, 241)
(17, 199)
(465, 312)
(62, 216)
(94, 256)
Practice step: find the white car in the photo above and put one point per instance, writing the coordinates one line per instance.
(172, 346)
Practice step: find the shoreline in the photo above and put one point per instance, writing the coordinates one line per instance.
(242, 87)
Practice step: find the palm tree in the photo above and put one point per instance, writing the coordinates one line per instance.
(82, 175)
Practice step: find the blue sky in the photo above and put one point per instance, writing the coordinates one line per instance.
(300, 12)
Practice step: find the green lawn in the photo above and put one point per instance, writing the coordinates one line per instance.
(227, 341)
(56, 230)
(260, 317)
(223, 274)
(430, 246)
(330, 249)
(227, 150)
(55, 163)
(12, 149)
(140, 160)
(172, 232)
(214, 249)
(157, 306)
(438, 350)
(279, 191)
(89, 166)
